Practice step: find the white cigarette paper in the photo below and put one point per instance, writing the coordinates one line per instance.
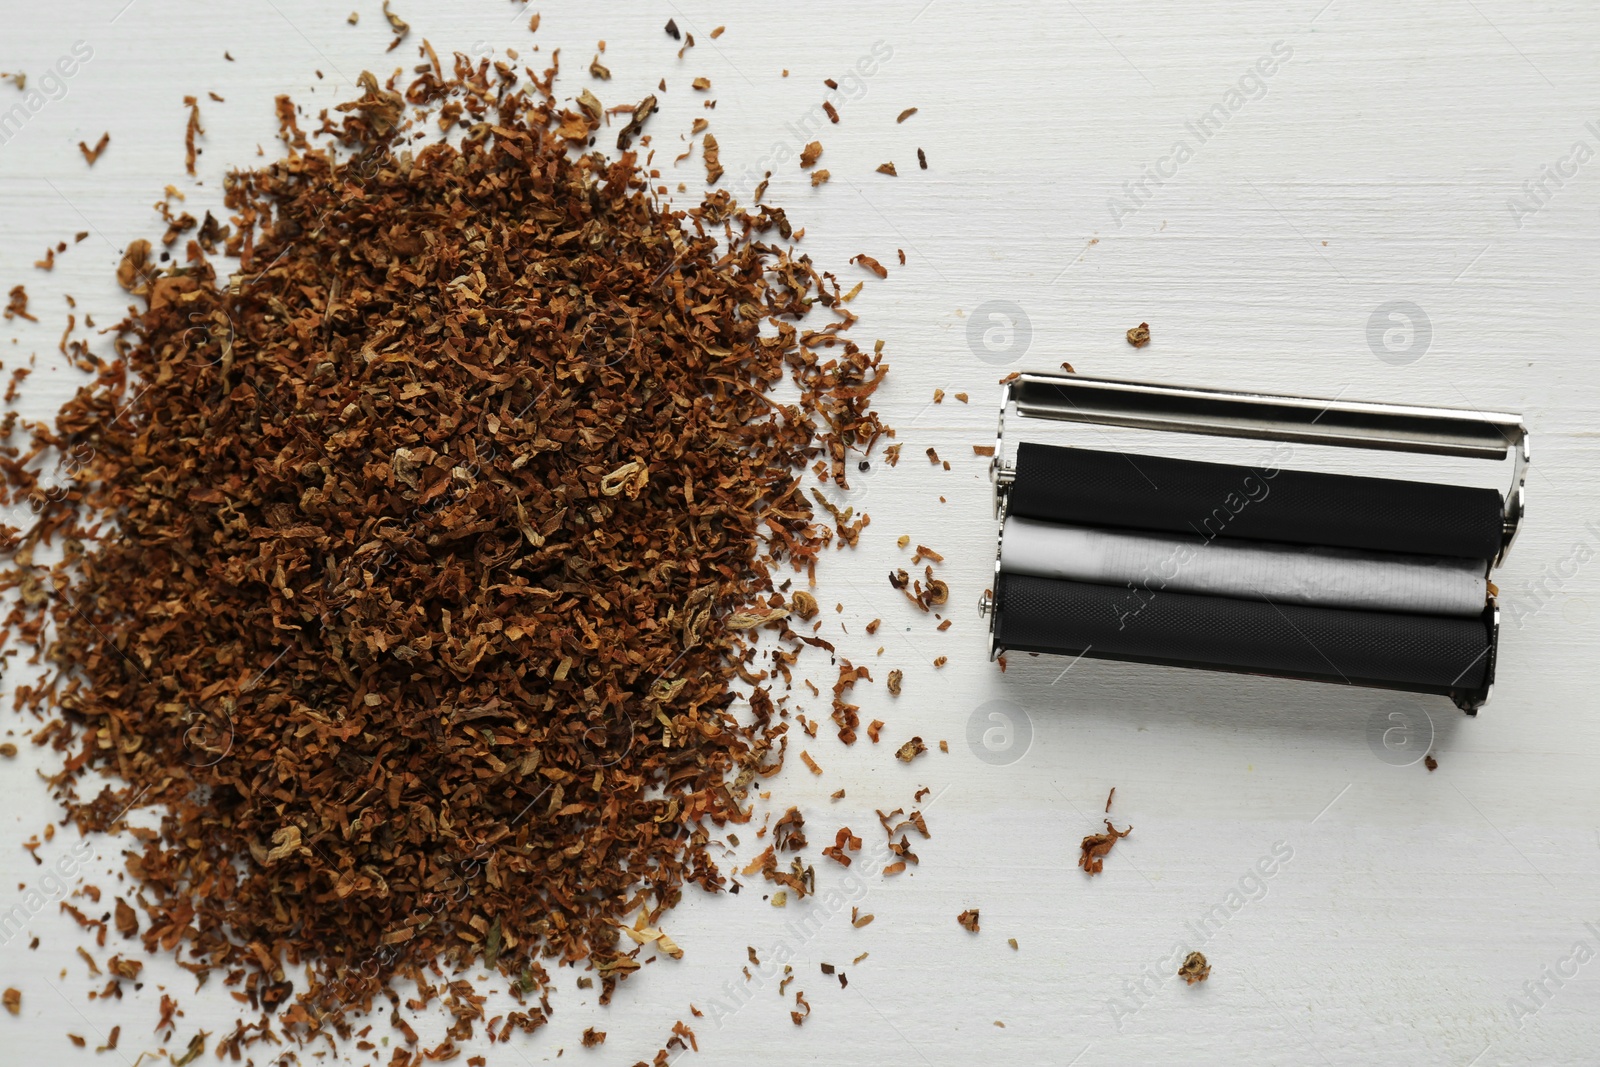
(1293, 574)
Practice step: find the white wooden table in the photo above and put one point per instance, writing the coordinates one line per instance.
(1361, 207)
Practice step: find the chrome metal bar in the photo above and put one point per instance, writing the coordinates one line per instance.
(1359, 424)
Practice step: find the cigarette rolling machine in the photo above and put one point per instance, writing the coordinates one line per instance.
(1251, 569)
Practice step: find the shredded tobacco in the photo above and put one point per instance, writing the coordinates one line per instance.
(410, 559)
(93, 154)
(1095, 847)
(1194, 968)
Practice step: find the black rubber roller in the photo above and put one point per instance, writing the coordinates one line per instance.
(1181, 629)
(1210, 500)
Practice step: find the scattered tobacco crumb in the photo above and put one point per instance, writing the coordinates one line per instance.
(887, 168)
(1139, 336)
(702, 84)
(401, 28)
(983, 450)
(641, 111)
(12, 999)
(922, 159)
(810, 153)
(907, 113)
(92, 154)
(969, 919)
(1012, 942)
(1096, 846)
(910, 750)
(871, 264)
(713, 159)
(1429, 762)
(804, 604)
(833, 114)
(593, 1037)
(599, 70)
(818, 177)
(844, 841)
(811, 764)
(1194, 968)
(191, 131)
(672, 30)
(718, 32)
(895, 678)
(8, 750)
(17, 305)
(1109, 796)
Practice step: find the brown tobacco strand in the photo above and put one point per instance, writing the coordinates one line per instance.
(401, 570)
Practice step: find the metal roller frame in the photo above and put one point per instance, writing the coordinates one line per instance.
(1311, 420)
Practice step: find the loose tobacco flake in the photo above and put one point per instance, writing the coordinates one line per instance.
(1139, 336)
(1095, 847)
(712, 156)
(192, 130)
(910, 750)
(1194, 968)
(401, 28)
(92, 154)
(871, 264)
(641, 111)
(969, 920)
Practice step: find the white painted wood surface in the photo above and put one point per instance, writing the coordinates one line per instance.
(1392, 154)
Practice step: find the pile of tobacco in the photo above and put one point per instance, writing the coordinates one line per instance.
(424, 571)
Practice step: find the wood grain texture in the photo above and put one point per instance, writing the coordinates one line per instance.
(1393, 155)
